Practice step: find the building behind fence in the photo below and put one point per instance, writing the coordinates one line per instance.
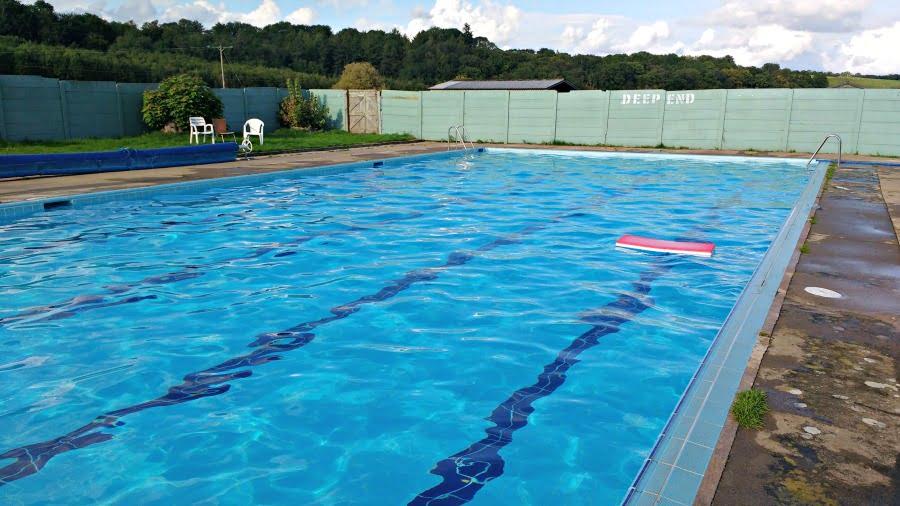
(868, 120)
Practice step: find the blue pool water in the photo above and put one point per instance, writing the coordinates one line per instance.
(430, 332)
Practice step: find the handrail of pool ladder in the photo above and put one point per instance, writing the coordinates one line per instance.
(460, 138)
(836, 136)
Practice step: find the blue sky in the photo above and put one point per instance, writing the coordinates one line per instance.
(834, 35)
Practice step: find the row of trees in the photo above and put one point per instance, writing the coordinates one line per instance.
(84, 46)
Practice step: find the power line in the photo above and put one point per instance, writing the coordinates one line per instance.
(221, 59)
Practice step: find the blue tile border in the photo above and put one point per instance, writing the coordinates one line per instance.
(850, 162)
(701, 412)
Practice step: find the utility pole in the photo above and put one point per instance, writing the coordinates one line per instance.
(221, 59)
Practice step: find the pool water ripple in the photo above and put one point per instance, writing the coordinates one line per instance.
(475, 276)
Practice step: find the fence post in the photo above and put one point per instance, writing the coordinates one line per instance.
(244, 98)
(2, 117)
(119, 112)
(859, 114)
(347, 108)
(722, 119)
(555, 115)
(790, 115)
(606, 119)
(662, 123)
(64, 108)
(421, 98)
(508, 100)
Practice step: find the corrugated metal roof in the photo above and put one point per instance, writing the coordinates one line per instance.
(534, 84)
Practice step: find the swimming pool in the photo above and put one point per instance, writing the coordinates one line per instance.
(332, 339)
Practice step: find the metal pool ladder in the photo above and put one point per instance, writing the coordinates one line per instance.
(836, 136)
(460, 138)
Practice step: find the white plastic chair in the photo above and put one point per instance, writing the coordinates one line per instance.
(200, 126)
(254, 127)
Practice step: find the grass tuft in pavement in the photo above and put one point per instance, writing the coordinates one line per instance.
(749, 407)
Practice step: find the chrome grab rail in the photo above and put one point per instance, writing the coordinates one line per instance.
(836, 136)
(460, 138)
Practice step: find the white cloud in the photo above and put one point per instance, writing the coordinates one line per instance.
(343, 5)
(209, 14)
(302, 16)
(596, 38)
(499, 23)
(571, 35)
(138, 11)
(646, 37)
(763, 44)
(76, 5)
(835, 35)
(199, 10)
(266, 14)
(815, 16)
(870, 52)
(365, 25)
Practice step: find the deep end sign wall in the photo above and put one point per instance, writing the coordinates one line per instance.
(647, 98)
(867, 120)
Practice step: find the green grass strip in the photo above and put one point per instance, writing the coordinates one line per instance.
(280, 140)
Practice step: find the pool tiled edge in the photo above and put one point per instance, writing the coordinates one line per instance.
(674, 470)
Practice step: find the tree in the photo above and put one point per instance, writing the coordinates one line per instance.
(35, 39)
(359, 76)
(177, 99)
(297, 111)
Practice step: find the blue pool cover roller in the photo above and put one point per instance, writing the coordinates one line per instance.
(110, 161)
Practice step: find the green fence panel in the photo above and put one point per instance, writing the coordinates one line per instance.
(635, 118)
(532, 116)
(879, 133)
(336, 101)
(486, 116)
(694, 119)
(262, 103)
(32, 108)
(401, 112)
(2, 118)
(440, 111)
(91, 109)
(234, 107)
(817, 113)
(581, 117)
(757, 119)
(131, 101)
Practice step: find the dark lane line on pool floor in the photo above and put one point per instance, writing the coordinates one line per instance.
(30, 459)
(81, 303)
(465, 473)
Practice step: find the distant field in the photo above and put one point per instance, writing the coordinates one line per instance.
(864, 82)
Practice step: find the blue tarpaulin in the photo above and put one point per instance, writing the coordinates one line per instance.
(111, 161)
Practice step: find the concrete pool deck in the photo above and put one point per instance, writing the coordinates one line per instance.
(848, 252)
(830, 370)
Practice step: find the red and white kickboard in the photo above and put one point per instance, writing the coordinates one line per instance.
(703, 249)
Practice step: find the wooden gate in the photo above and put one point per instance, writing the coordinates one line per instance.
(362, 111)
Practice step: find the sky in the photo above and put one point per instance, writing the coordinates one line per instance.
(858, 36)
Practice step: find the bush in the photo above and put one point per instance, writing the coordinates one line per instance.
(177, 99)
(749, 407)
(359, 76)
(301, 113)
